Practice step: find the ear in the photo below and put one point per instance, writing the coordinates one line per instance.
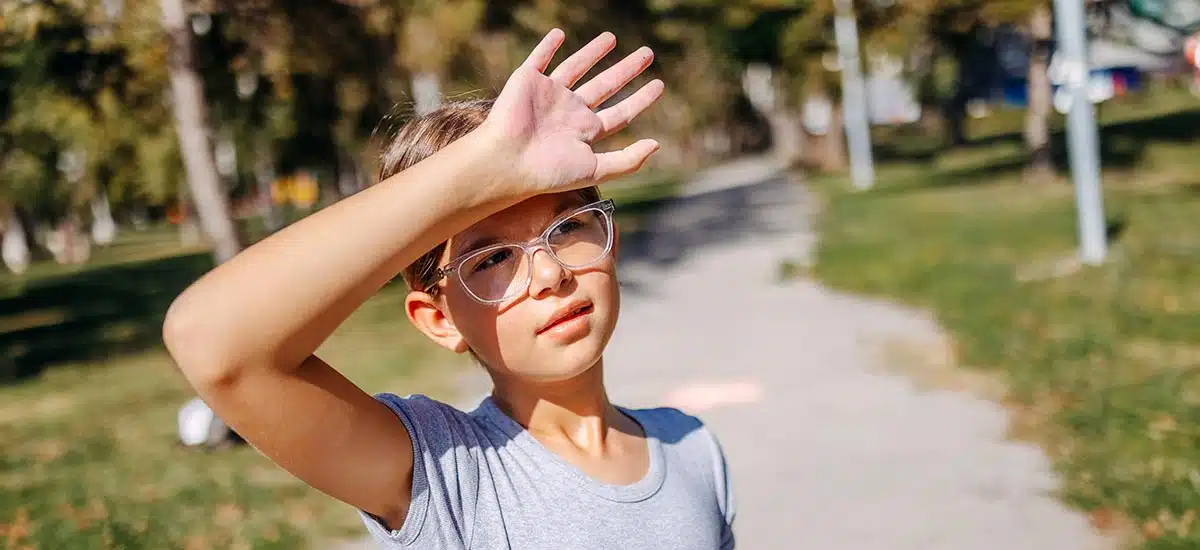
(428, 314)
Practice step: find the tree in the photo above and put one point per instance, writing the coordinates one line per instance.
(888, 31)
(434, 31)
(63, 124)
(959, 25)
(1037, 114)
(188, 106)
(697, 118)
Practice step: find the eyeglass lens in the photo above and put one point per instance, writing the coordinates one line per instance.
(499, 273)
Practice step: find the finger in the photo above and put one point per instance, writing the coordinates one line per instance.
(573, 68)
(617, 117)
(609, 82)
(615, 164)
(541, 55)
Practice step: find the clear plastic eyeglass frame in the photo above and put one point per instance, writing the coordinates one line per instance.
(605, 207)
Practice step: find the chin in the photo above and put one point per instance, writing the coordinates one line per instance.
(564, 362)
(565, 356)
(568, 362)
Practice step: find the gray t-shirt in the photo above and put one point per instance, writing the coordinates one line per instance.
(480, 480)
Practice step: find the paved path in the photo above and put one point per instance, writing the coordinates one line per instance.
(826, 450)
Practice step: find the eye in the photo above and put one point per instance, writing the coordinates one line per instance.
(568, 226)
(491, 260)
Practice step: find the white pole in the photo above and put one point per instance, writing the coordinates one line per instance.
(1081, 130)
(854, 101)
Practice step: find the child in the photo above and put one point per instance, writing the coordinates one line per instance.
(490, 212)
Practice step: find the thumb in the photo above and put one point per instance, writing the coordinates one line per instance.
(615, 164)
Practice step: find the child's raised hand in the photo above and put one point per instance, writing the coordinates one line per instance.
(549, 127)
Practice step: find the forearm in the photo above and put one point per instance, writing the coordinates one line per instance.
(276, 302)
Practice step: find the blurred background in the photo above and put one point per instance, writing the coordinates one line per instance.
(143, 141)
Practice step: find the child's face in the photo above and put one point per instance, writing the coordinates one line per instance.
(511, 337)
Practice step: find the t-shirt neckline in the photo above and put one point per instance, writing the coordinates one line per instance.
(641, 489)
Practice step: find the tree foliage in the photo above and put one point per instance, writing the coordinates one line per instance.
(310, 85)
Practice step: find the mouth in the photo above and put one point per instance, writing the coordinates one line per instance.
(569, 312)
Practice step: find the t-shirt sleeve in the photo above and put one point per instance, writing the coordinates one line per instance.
(725, 494)
(445, 475)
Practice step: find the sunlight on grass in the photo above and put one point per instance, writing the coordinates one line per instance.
(91, 458)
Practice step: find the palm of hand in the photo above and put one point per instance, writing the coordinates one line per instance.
(555, 126)
(550, 128)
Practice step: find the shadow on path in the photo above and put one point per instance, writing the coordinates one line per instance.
(682, 227)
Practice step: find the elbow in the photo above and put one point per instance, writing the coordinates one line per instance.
(195, 348)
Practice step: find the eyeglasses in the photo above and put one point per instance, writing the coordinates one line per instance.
(496, 273)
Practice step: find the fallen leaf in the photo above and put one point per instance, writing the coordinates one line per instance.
(1103, 519)
(1152, 529)
(17, 530)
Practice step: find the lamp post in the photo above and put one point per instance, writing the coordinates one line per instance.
(1081, 129)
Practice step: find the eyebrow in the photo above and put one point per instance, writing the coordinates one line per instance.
(565, 204)
(476, 244)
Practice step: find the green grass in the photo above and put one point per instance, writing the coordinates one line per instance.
(1102, 364)
(88, 402)
(90, 457)
(154, 242)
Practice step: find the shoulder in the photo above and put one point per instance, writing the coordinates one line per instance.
(436, 428)
(415, 403)
(669, 424)
(683, 432)
(421, 413)
(689, 442)
(673, 426)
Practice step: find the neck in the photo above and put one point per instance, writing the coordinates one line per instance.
(576, 410)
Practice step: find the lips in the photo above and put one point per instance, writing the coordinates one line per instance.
(566, 313)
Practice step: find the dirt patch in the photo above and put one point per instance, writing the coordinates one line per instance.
(931, 365)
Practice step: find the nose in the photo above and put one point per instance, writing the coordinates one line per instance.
(547, 275)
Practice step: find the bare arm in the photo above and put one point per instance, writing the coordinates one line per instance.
(244, 334)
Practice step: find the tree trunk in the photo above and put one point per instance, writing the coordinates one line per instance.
(187, 95)
(836, 158)
(347, 174)
(1037, 114)
(104, 228)
(68, 243)
(190, 233)
(264, 177)
(787, 136)
(427, 92)
(955, 111)
(764, 91)
(827, 150)
(15, 247)
(925, 59)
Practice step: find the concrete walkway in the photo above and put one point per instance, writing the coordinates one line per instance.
(826, 449)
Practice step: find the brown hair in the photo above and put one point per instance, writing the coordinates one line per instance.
(418, 139)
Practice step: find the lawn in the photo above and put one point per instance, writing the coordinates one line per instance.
(1102, 364)
(90, 458)
(88, 402)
